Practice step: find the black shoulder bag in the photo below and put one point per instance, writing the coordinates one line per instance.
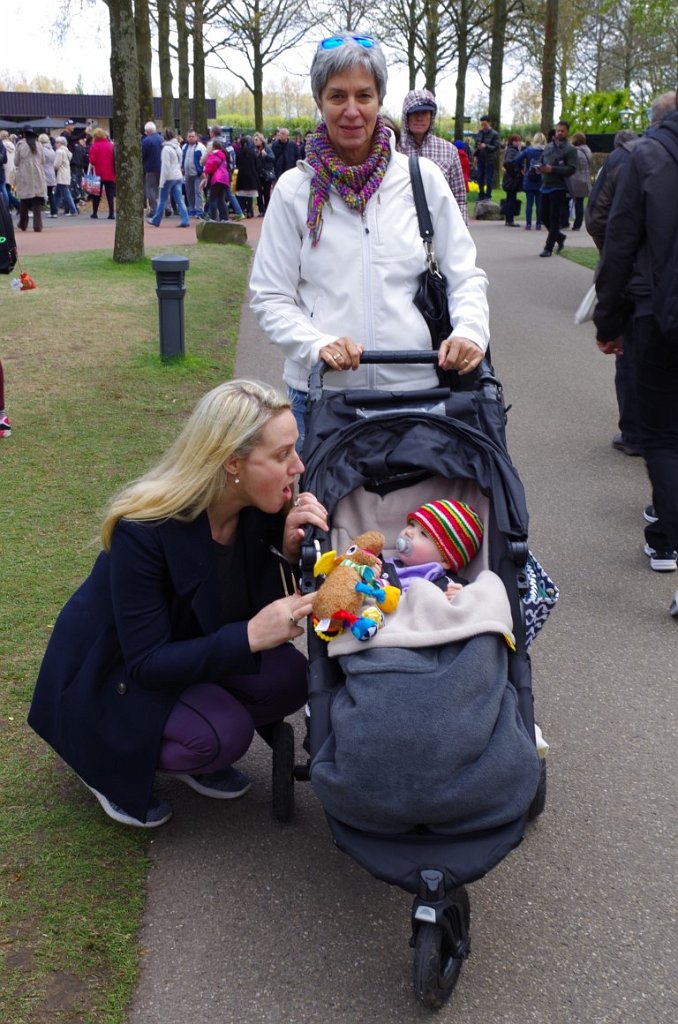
(431, 295)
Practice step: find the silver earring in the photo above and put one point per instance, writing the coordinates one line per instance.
(236, 480)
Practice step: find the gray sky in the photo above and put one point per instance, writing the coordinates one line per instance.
(85, 52)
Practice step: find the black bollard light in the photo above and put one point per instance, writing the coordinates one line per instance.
(169, 275)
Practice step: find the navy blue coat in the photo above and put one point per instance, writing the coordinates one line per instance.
(146, 624)
(151, 150)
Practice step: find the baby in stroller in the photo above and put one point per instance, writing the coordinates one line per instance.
(425, 731)
(439, 539)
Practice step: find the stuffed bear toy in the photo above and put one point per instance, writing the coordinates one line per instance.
(352, 594)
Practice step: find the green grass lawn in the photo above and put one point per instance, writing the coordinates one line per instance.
(91, 406)
(586, 257)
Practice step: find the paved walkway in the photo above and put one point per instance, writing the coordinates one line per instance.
(80, 234)
(248, 922)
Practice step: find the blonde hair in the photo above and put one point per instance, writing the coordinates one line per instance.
(99, 133)
(45, 139)
(538, 139)
(226, 422)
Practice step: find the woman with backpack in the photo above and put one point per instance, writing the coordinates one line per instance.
(532, 180)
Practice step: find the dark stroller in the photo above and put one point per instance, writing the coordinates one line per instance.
(376, 446)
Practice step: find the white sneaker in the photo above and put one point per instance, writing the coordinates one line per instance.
(157, 814)
(661, 561)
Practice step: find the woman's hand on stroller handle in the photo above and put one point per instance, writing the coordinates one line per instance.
(306, 511)
(341, 354)
(460, 354)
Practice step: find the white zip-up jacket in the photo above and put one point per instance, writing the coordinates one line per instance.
(170, 162)
(361, 278)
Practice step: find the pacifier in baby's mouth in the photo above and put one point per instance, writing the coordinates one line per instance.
(404, 545)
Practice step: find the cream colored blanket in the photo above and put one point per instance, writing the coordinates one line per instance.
(425, 618)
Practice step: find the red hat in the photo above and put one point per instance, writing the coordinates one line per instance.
(455, 528)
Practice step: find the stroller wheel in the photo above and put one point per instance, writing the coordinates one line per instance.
(539, 800)
(439, 953)
(282, 743)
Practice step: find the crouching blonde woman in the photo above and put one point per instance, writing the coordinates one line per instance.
(178, 644)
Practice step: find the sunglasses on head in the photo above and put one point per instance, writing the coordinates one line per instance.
(334, 41)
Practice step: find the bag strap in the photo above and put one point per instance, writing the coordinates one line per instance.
(423, 213)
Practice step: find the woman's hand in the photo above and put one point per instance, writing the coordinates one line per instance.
(278, 622)
(459, 354)
(342, 354)
(306, 511)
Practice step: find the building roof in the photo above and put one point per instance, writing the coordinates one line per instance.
(22, 107)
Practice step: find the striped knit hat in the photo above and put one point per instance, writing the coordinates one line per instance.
(455, 528)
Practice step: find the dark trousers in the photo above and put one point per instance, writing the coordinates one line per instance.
(264, 196)
(485, 176)
(212, 725)
(656, 368)
(512, 207)
(109, 189)
(218, 204)
(35, 205)
(151, 189)
(578, 212)
(552, 206)
(625, 387)
(532, 198)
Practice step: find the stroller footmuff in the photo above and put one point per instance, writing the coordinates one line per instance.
(421, 740)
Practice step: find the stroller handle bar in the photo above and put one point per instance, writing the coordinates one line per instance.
(481, 374)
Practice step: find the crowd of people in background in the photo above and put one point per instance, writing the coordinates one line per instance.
(216, 177)
(209, 177)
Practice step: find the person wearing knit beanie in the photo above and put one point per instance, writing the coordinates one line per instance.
(450, 531)
(439, 539)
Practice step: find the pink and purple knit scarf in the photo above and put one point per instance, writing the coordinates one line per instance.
(355, 184)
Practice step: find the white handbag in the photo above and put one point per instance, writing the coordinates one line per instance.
(586, 306)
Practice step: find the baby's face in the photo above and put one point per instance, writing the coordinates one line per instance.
(416, 547)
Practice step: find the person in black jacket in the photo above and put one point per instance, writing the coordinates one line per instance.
(178, 645)
(265, 163)
(639, 243)
(512, 181)
(487, 144)
(596, 215)
(285, 151)
(559, 162)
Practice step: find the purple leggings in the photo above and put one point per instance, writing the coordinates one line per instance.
(210, 726)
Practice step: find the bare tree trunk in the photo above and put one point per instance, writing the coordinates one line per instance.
(142, 28)
(411, 48)
(548, 81)
(199, 107)
(182, 54)
(129, 225)
(432, 16)
(462, 71)
(164, 62)
(498, 34)
(258, 83)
